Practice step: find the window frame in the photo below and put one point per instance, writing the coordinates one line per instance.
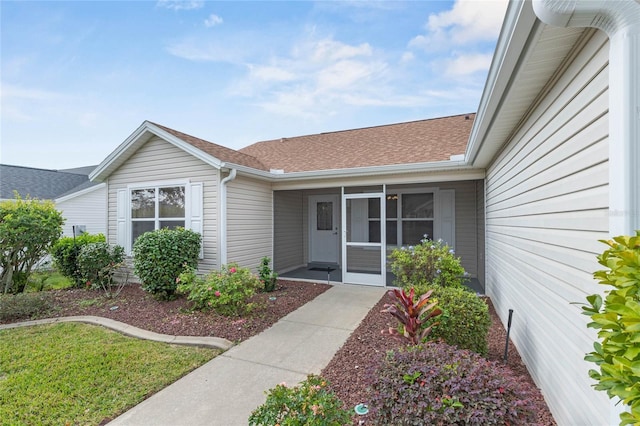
(156, 185)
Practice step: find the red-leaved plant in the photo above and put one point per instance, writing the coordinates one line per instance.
(412, 315)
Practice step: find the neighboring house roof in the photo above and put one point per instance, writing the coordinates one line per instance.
(420, 141)
(40, 183)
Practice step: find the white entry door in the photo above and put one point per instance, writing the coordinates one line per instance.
(324, 239)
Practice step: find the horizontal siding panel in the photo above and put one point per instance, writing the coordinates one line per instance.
(249, 221)
(87, 209)
(547, 199)
(288, 230)
(587, 129)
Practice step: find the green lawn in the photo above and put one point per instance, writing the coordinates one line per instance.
(80, 374)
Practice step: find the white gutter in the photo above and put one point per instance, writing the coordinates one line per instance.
(223, 215)
(621, 21)
(355, 171)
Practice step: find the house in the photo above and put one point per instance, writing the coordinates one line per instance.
(339, 199)
(523, 190)
(82, 202)
(557, 132)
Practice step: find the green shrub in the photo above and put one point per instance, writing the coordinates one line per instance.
(226, 291)
(65, 254)
(268, 278)
(309, 403)
(28, 229)
(161, 256)
(429, 263)
(438, 384)
(98, 262)
(617, 320)
(465, 319)
(23, 305)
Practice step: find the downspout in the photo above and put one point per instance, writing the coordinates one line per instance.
(223, 215)
(621, 21)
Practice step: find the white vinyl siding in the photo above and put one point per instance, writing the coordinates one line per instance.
(289, 231)
(158, 161)
(88, 209)
(249, 221)
(546, 207)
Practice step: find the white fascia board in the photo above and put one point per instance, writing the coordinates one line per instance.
(102, 169)
(353, 172)
(512, 47)
(81, 192)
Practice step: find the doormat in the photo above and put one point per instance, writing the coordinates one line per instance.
(318, 268)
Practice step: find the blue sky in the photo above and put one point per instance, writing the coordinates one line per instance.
(77, 78)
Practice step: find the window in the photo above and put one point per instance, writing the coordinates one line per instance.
(408, 218)
(156, 208)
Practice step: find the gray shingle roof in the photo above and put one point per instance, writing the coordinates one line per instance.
(41, 183)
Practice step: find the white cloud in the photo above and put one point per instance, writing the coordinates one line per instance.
(468, 22)
(469, 64)
(407, 57)
(212, 21)
(270, 73)
(180, 4)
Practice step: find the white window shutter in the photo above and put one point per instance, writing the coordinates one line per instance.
(446, 217)
(195, 212)
(122, 208)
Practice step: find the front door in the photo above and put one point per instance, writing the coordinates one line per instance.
(363, 224)
(324, 239)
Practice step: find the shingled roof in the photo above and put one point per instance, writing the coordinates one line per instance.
(218, 151)
(40, 183)
(420, 141)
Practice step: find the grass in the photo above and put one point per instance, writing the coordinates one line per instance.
(81, 374)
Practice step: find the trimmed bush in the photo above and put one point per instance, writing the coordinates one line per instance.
(97, 262)
(464, 321)
(23, 305)
(437, 384)
(429, 263)
(65, 253)
(161, 256)
(309, 403)
(226, 291)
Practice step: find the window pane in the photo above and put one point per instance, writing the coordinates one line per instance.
(143, 203)
(392, 233)
(413, 231)
(324, 217)
(140, 227)
(374, 208)
(171, 202)
(417, 206)
(171, 224)
(392, 205)
(374, 231)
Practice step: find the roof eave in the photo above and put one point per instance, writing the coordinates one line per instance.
(513, 45)
(354, 172)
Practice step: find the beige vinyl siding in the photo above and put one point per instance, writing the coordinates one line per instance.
(546, 208)
(289, 231)
(159, 161)
(88, 209)
(249, 221)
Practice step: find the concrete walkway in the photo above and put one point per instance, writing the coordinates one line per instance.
(228, 388)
